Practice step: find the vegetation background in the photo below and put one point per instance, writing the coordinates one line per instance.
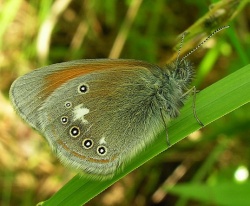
(37, 33)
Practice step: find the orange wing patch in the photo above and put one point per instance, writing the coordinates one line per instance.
(56, 79)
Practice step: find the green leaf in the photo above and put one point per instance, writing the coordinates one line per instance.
(226, 193)
(212, 103)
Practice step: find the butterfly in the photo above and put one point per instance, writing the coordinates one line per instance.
(97, 114)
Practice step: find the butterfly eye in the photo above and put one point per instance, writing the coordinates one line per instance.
(74, 131)
(101, 150)
(87, 143)
(83, 88)
(64, 120)
(68, 104)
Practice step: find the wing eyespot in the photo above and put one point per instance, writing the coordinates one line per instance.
(87, 143)
(83, 88)
(74, 131)
(68, 104)
(101, 150)
(64, 119)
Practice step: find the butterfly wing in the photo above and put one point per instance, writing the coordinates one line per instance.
(95, 114)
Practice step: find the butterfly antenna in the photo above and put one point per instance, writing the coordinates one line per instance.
(179, 51)
(213, 33)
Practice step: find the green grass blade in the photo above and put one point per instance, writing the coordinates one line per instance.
(212, 103)
(225, 193)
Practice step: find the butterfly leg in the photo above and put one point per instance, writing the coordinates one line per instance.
(193, 89)
(167, 138)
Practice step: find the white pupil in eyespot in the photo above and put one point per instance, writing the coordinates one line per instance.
(74, 131)
(88, 143)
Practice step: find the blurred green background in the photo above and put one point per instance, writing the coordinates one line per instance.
(37, 33)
